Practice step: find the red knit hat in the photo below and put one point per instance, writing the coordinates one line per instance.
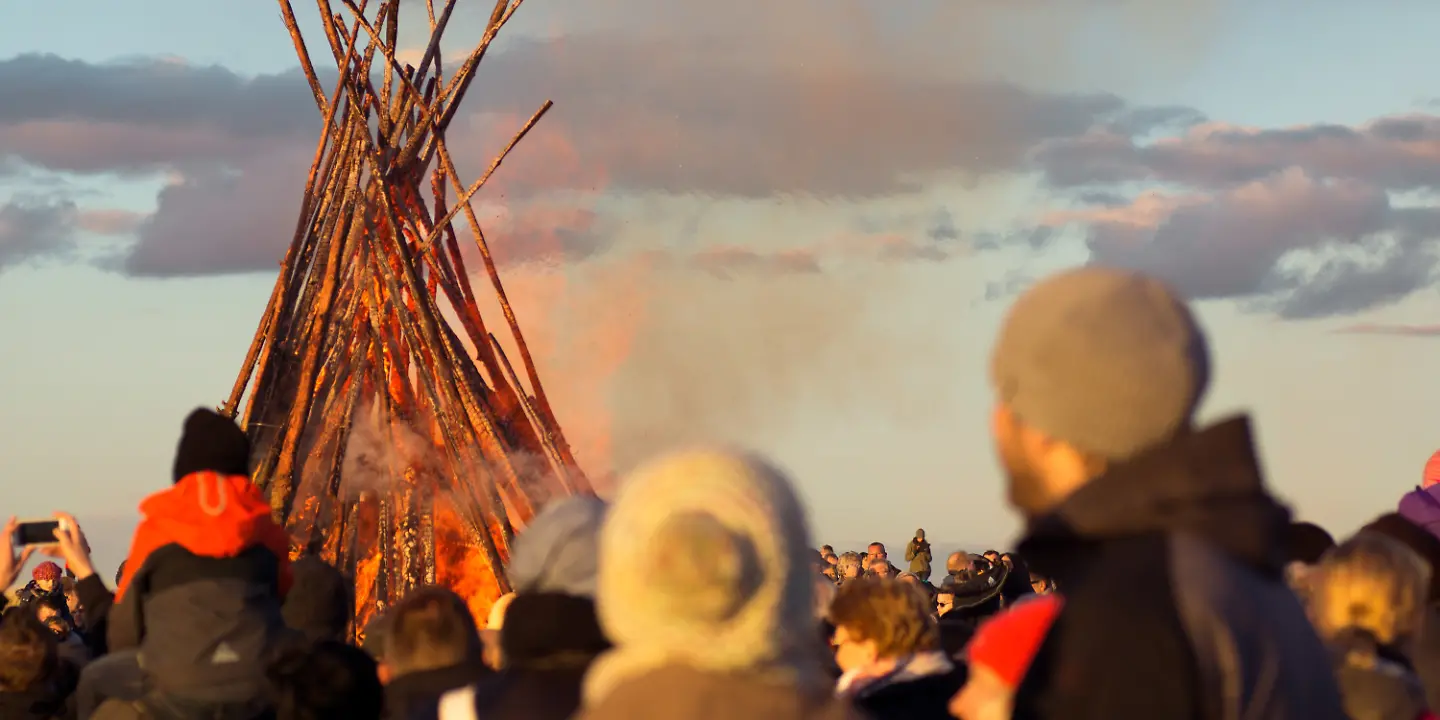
(1432, 471)
(47, 571)
(1007, 642)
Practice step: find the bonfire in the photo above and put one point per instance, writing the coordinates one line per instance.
(392, 434)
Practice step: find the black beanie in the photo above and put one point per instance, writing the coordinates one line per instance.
(1307, 542)
(211, 442)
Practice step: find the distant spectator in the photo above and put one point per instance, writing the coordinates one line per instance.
(888, 646)
(882, 568)
(917, 552)
(1015, 579)
(53, 613)
(1041, 584)
(72, 601)
(1367, 600)
(45, 582)
(876, 551)
(320, 602)
(849, 566)
(705, 592)
(35, 683)
(1163, 536)
(431, 647)
(999, 656)
(326, 680)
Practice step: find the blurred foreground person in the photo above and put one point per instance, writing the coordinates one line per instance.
(326, 680)
(431, 647)
(35, 684)
(551, 633)
(1167, 544)
(706, 592)
(999, 656)
(201, 593)
(1367, 599)
(1305, 544)
(1426, 650)
(887, 645)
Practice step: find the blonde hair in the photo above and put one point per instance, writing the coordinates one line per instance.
(1369, 583)
(889, 612)
(847, 560)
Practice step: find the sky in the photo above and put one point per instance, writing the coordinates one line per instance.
(792, 227)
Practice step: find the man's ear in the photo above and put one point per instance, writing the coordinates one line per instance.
(384, 672)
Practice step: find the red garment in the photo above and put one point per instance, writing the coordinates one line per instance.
(211, 515)
(1432, 471)
(1008, 641)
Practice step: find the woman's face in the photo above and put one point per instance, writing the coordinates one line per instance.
(851, 653)
(852, 571)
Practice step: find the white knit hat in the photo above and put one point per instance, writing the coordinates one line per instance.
(705, 561)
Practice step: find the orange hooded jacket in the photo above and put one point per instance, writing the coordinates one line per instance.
(211, 515)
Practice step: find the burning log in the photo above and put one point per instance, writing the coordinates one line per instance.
(398, 446)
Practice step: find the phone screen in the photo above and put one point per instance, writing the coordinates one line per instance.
(36, 533)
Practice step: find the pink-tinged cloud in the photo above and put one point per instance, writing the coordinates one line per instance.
(109, 221)
(729, 261)
(1385, 329)
(1398, 152)
(1236, 242)
(886, 247)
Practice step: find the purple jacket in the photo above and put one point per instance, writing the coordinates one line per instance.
(1422, 507)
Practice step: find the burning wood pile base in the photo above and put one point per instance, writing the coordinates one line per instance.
(401, 446)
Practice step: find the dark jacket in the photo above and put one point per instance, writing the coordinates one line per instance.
(96, 599)
(1175, 605)
(407, 694)
(912, 696)
(549, 641)
(202, 589)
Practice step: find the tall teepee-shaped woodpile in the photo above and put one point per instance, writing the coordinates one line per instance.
(401, 445)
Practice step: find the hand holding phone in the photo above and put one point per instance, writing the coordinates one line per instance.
(36, 532)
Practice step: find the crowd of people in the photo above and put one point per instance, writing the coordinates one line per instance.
(1157, 577)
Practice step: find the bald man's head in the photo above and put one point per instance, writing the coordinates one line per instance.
(956, 562)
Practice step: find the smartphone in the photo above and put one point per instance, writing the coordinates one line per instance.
(36, 532)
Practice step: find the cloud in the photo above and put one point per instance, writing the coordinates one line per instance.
(109, 221)
(727, 261)
(1244, 241)
(1398, 330)
(1397, 152)
(1303, 221)
(634, 115)
(35, 229)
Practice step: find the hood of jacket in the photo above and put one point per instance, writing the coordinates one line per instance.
(1207, 483)
(1422, 507)
(210, 515)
